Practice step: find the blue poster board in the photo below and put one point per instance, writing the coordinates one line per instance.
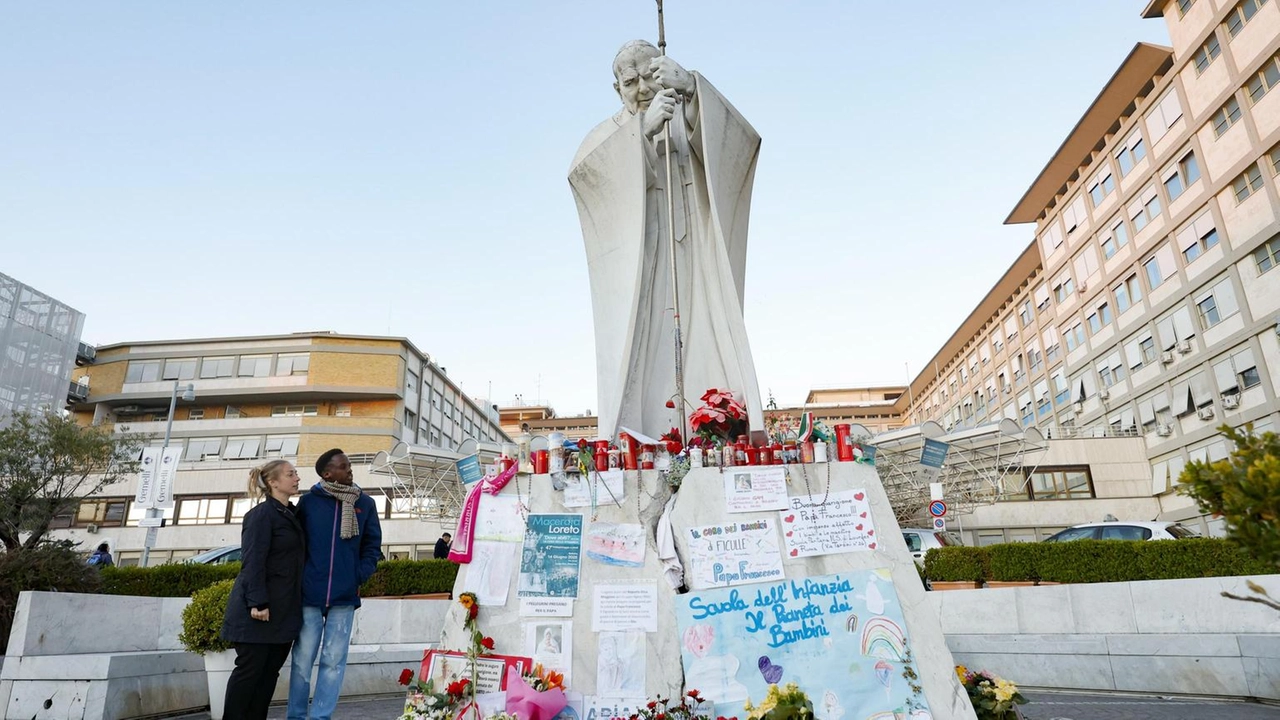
(840, 637)
(469, 469)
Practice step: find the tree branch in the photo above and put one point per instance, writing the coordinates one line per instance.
(1244, 598)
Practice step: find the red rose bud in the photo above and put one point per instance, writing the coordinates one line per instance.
(582, 444)
(671, 404)
(487, 643)
(406, 676)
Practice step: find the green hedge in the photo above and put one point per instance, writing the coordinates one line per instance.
(393, 577)
(410, 577)
(176, 580)
(1087, 561)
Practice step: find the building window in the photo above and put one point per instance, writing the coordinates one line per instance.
(103, 511)
(255, 366)
(195, 414)
(202, 449)
(293, 364)
(1059, 483)
(281, 446)
(1145, 210)
(202, 511)
(1207, 53)
(1227, 116)
(1184, 6)
(1197, 249)
(1099, 318)
(1241, 14)
(216, 367)
(1148, 349)
(1267, 255)
(1074, 336)
(1157, 273)
(1101, 188)
(1128, 293)
(411, 381)
(1061, 291)
(179, 369)
(410, 420)
(342, 410)
(1208, 310)
(1181, 177)
(233, 413)
(1274, 155)
(242, 448)
(143, 371)
(1024, 313)
(1131, 154)
(1267, 77)
(1248, 183)
(295, 411)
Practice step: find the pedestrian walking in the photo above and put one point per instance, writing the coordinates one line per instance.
(442, 547)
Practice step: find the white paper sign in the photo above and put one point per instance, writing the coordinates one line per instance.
(842, 524)
(624, 607)
(489, 574)
(546, 607)
(606, 486)
(499, 519)
(734, 553)
(755, 489)
(550, 644)
(620, 665)
(603, 708)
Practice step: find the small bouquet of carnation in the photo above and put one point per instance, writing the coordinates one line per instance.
(786, 703)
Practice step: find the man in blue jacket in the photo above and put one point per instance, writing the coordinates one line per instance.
(344, 540)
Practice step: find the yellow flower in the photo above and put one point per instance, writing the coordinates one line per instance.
(961, 671)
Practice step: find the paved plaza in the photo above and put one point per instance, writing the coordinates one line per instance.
(1043, 706)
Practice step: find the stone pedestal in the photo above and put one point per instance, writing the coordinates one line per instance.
(701, 502)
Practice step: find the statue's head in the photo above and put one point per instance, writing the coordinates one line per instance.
(632, 77)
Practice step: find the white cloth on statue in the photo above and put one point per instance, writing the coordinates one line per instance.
(618, 179)
(672, 568)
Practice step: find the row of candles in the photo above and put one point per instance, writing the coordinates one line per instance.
(631, 454)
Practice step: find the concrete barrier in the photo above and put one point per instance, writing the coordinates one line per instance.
(1159, 636)
(106, 657)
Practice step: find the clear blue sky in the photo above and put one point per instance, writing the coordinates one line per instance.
(182, 169)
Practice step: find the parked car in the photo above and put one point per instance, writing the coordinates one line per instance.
(1123, 530)
(922, 540)
(217, 556)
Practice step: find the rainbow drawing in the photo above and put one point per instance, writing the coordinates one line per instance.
(882, 638)
(882, 716)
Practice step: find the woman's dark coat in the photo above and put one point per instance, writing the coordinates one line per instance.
(272, 553)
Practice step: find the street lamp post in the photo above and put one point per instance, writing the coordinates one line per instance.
(188, 394)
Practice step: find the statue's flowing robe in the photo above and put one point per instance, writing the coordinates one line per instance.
(618, 179)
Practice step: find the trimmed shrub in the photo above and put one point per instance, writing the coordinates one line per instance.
(956, 563)
(202, 619)
(49, 566)
(1087, 561)
(410, 577)
(176, 580)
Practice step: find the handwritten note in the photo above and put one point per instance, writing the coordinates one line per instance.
(842, 524)
(734, 553)
(840, 637)
(755, 489)
(594, 488)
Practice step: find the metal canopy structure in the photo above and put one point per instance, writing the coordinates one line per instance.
(982, 463)
(424, 480)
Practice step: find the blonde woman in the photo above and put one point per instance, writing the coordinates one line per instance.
(264, 613)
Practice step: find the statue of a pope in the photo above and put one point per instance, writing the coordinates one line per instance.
(619, 182)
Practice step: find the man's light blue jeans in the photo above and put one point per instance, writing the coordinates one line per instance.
(329, 633)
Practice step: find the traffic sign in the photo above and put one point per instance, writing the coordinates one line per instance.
(938, 508)
(939, 524)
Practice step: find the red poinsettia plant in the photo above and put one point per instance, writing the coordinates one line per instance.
(721, 419)
(672, 440)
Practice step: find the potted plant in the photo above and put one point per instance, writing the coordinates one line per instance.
(201, 634)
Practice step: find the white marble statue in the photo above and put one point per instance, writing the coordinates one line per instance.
(618, 178)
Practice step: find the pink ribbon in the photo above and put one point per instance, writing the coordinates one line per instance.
(464, 540)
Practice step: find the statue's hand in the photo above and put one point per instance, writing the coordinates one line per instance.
(661, 109)
(669, 74)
